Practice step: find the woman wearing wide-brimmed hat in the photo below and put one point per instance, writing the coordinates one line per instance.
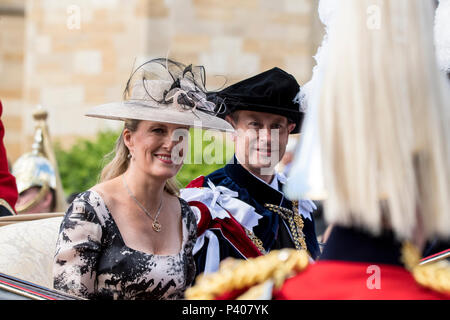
(131, 236)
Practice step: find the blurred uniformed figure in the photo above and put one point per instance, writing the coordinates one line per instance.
(8, 190)
(380, 119)
(36, 173)
(439, 248)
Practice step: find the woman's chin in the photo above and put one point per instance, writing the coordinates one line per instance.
(164, 173)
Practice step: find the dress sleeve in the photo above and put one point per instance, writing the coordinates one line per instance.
(77, 250)
(191, 225)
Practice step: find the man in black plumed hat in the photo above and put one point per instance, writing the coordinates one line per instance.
(241, 209)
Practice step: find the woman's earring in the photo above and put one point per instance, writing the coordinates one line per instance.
(129, 156)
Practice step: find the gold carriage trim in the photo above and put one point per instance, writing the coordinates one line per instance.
(236, 274)
(433, 275)
(28, 217)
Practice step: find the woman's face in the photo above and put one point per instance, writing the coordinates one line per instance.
(157, 148)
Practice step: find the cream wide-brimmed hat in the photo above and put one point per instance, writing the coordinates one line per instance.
(179, 100)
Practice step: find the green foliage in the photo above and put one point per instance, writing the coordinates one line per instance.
(208, 151)
(80, 166)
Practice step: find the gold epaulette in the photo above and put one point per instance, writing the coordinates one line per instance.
(434, 275)
(234, 274)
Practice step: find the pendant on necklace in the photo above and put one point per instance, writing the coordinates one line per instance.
(156, 226)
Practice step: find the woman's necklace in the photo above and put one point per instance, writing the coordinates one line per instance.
(155, 225)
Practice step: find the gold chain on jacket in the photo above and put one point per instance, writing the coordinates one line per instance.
(256, 241)
(294, 220)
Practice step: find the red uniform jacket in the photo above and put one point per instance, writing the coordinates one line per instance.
(338, 280)
(8, 188)
(356, 266)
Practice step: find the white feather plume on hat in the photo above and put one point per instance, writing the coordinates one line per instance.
(306, 174)
(442, 34)
(327, 14)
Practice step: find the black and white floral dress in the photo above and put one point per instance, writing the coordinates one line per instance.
(92, 260)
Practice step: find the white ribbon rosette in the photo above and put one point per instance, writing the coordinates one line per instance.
(217, 199)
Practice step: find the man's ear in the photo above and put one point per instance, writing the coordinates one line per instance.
(230, 120)
(291, 126)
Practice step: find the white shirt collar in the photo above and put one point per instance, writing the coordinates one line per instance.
(273, 184)
(305, 206)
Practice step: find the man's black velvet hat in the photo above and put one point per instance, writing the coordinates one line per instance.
(272, 91)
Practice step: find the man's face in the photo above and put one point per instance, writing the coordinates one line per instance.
(27, 196)
(260, 139)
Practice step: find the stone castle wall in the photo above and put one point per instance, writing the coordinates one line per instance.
(69, 55)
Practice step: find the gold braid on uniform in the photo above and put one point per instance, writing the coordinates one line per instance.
(435, 276)
(294, 221)
(256, 241)
(236, 274)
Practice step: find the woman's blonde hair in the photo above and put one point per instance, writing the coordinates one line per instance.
(384, 120)
(120, 161)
